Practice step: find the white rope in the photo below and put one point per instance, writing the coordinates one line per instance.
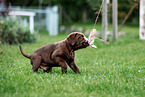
(92, 36)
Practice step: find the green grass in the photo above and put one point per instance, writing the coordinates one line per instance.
(115, 69)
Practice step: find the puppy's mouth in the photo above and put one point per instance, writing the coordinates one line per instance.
(85, 44)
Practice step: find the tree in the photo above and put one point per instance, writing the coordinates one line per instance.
(77, 9)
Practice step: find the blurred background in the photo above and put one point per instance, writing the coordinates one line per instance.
(59, 16)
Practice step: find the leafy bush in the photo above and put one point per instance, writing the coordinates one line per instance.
(13, 31)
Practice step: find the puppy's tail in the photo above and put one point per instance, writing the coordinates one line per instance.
(23, 53)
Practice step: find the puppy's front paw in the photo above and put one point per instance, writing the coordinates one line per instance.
(78, 72)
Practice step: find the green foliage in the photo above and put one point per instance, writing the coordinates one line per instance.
(75, 8)
(95, 3)
(112, 70)
(123, 8)
(14, 31)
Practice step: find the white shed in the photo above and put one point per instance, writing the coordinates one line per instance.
(25, 13)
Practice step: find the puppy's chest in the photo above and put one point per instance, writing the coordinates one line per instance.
(70, 56)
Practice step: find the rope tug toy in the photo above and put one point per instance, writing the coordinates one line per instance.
(92, 36)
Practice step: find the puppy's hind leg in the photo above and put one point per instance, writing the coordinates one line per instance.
(45, 68)
(36, 63)
(49, 69)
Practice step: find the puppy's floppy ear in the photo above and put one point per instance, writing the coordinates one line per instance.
(72, 38)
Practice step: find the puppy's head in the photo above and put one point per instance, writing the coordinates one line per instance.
(77, 40)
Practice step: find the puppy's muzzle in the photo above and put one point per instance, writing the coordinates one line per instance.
(86, 43)
(86, 39)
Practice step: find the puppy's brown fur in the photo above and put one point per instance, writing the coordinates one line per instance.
(58, 54)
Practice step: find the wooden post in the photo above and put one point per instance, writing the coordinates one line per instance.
(142, 20)
(104, 21)
(114, 19)
(31, 20)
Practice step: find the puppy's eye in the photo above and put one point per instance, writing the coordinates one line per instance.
(81, 37)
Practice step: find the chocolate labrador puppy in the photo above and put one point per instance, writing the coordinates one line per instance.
(58, 54)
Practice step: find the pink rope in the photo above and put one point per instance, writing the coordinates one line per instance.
(98, 14)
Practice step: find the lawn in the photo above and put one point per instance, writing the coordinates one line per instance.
(115, 69)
